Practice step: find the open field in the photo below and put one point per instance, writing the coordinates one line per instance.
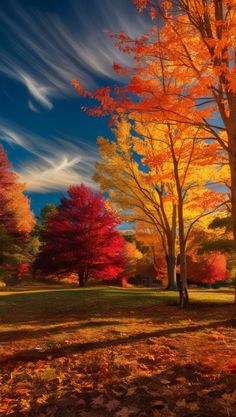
(107, 351)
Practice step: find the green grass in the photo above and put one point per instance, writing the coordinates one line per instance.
(37, 305)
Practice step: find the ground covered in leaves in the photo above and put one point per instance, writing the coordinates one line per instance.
(114, 352)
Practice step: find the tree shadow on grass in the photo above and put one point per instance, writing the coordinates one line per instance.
(33, 355)
(53, 307)
(11, 336)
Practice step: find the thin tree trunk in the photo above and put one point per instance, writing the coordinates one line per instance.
(81, 279)
(171, 258)
(171, 272)
(183, 287)
(232, 159)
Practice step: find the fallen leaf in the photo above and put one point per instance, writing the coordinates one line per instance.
(131, 391)
(142, 366)
(22, 391)
(192, 406)
(98, 402)
(158, 404)
(80, 402)
(118, 394)
(152, 340)
(126, 412)
(4, 406)
(112, 405)
(43, 399)
(230, 396)
(165, 381)
(181, 403)
(181, 379)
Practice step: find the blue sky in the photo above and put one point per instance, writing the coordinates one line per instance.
(50, 142)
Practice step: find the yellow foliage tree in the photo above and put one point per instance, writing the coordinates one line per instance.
(128, 185)
(165, 171)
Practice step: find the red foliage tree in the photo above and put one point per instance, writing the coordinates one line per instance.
(207, 268)
(23, 268)
(82, 238)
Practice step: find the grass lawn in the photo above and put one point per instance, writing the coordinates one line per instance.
(106, 351)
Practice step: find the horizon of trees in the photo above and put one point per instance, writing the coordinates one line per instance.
(59, 244)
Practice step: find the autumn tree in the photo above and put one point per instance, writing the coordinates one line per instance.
(219, 238)
(81, 238)
(162, 170)
(197, 39)
(177, 156)
(155, 255)
(41, 225)
(131, 187)
(133, 255)
(171, 154)
(173, 80)
(46, 213)
(16, 218)
(207, 269)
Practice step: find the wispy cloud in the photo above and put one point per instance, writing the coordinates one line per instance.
(45, 50)
(54, 163)
(55, 175)
(39, 92)
(32, 106)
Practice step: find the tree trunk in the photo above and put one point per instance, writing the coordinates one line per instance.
(232, 159)
(183, 287)
(171, 272)
(81, 279)
(171, 257)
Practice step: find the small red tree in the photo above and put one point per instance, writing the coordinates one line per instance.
(82, 238)
(207, 268)
(23, 268)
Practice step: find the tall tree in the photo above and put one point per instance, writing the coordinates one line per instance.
(131, 187)
(16, 218)
(202, 57)
(174, 80)
(163, 171)
(177, 155)
(184, 72)
(81, 238)
(41, 225)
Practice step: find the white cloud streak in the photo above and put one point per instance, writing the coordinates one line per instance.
(32, 106)
(54, 163)
(45, 51)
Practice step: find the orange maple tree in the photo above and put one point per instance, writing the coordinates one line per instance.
(16, 218)
(183, 72)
